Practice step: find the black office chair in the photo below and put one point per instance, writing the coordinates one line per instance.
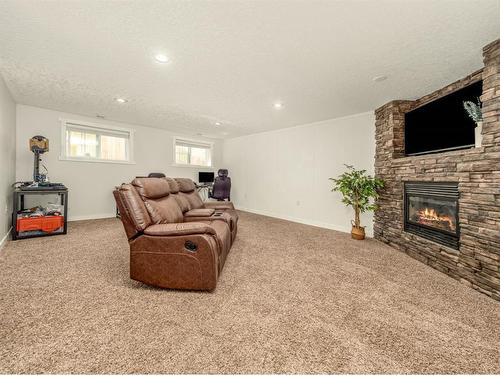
(221, 189)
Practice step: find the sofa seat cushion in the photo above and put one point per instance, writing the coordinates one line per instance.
(200, 212)
(179, 229)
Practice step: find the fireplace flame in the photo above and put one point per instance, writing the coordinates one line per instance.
(429, 216)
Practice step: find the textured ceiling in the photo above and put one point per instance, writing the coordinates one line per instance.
(231, 60)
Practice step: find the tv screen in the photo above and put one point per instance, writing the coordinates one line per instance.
(205, 177)
(442, 124)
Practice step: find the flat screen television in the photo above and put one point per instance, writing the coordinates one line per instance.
(442, 124)
(205, 177)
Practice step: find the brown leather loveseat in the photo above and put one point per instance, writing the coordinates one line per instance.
(170, 246)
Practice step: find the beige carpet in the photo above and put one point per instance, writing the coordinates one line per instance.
(291, 298)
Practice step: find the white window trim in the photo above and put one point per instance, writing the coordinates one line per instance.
(207, 143)
(64, 157)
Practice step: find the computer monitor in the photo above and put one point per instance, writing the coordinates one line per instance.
(206, 177)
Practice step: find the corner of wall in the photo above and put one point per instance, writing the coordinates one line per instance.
(7, 159)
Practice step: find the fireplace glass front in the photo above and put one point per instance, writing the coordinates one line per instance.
(431, 211)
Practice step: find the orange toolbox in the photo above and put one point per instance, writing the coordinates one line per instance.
(44, 223)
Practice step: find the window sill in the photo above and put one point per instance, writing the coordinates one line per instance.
(192, 166)
(63, 158)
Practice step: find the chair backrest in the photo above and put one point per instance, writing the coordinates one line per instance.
(222, 185)
(222, 173)
(187, 189)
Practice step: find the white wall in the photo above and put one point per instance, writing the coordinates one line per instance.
(285, 173)
(91, 184)
(7, 158)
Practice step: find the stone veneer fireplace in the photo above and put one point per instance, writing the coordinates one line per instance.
(459, 234)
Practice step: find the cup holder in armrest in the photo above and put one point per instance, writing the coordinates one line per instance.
(218, 214)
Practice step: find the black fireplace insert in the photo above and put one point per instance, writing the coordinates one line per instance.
(431, 211)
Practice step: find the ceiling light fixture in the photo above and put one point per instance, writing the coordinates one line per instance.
(121, 100)
(218, 123)
(161, 58)
(379, 78)
(278, 105)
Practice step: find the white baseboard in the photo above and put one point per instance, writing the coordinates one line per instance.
(4, 240)
(91, 217)
(314, 223)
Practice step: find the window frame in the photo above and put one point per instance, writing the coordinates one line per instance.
(65, 123)
(209, 145)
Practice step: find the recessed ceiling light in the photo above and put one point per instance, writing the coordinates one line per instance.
(218, 123)
(278, 105)
(379, 78)
(161, 58)
(121, 100)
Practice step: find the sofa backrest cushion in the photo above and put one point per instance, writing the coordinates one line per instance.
(186, 185)
(193, 199)
(174, 190)
(182, 202)
(151, 187)
(161, 206)
(187, 189)
(173, 185)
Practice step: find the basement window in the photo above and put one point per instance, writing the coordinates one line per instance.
(83, 141)
(192, 153)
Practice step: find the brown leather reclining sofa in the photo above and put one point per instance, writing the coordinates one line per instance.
(176, 240)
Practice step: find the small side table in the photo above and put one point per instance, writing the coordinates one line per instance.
(39, 230)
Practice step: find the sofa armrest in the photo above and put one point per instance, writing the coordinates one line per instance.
(219, 205)
(179, 229)
(200, 212)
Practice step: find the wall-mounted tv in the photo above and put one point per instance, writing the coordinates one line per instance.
(442, 125)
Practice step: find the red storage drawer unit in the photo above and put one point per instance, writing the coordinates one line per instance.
(44, 223)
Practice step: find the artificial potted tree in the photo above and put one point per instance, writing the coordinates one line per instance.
(475, 113)
(358, 190)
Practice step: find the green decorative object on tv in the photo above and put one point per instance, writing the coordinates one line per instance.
(358, 190)
(475, 113)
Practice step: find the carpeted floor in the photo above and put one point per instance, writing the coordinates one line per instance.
(291, 298)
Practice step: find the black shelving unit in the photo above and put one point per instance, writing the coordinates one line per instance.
(19, 205)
